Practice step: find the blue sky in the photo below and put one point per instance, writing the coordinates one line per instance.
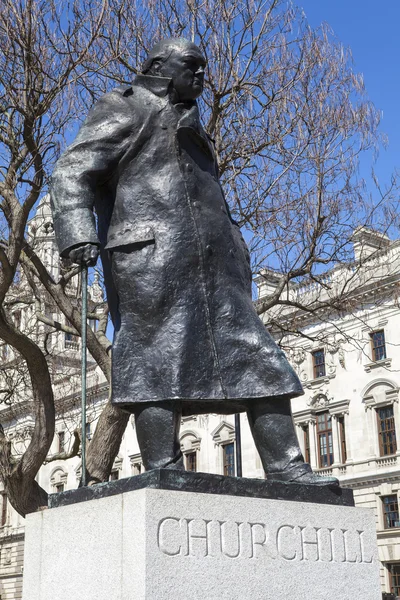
(371, 30)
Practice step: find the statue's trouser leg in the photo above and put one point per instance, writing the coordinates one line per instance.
(274, 435)
(157, 429)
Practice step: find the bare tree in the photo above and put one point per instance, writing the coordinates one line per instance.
(289, 118)
(43, 49)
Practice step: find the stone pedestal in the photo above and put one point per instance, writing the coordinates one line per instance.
(145, 539)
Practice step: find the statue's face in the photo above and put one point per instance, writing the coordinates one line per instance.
(185, 66)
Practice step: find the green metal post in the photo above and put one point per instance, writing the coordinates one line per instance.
(239, 472)
(84, 282)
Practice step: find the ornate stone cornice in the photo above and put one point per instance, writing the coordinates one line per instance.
(229, 430)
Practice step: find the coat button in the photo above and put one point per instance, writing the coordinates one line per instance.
(189, 168)
(209, 250)
(232, 252)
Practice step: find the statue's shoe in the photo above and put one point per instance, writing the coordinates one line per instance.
(304, 477)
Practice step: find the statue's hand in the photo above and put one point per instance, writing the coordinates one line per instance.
(85, 256)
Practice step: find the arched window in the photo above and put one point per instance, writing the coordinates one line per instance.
(58, 480)
(190, 446)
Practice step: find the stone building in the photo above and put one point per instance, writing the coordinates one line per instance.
(348, 421)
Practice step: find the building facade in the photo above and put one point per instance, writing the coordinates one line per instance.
(348, 421)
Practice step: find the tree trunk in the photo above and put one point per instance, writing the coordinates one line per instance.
(23, 491)
(105, 443)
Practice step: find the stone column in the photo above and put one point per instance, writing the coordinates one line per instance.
(396, 414)
(346, 430)
(336, 442)
(313, 444)
(300, 437)
(373, 442)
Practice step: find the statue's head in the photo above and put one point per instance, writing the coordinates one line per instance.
(181, 61)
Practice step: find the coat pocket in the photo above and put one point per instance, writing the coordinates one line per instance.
(128, 237)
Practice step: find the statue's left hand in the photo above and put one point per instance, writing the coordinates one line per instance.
(85, 255)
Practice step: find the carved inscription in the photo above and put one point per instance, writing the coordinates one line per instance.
(201, 538)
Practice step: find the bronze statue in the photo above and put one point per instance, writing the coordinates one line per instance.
(187, 337)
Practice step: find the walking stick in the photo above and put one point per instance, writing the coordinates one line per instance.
(84, 275)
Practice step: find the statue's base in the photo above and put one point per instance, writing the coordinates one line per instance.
(125, 541)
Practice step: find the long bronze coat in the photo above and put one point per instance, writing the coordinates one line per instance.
(176, 266)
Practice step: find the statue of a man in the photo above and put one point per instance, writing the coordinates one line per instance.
(187, 337)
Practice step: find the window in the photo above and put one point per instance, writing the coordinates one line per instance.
(319, 363)
(191, 461)
(306, 434)
(229, 459)
(92, 324)
(114, 476)
(325, 441)
(71, 341)
(342, 439)
(386, 431)
(394, 570)
(58, 480)
(17, 319)
(61, 441)
(4, 352)
(136, 468)
(378, 345)
(136, 464)
(390, 511)
(3, 508)
(17, 276)
(190, 445)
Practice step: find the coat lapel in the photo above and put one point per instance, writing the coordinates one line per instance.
(189, 125)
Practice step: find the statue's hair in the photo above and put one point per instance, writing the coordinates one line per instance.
(163, 50)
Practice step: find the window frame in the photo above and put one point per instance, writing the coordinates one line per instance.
(61, 441)
(93, 324)
(228, 460)
(71, 341)
(327, 432)
(389, 509)
(4, 509)
(384, 446)
(191, 456)
(114, 475)
(17, 318)
(394, 579)
(317, 373)
(137, 468)
(375, 348)
(58, 477)
(4, 353)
